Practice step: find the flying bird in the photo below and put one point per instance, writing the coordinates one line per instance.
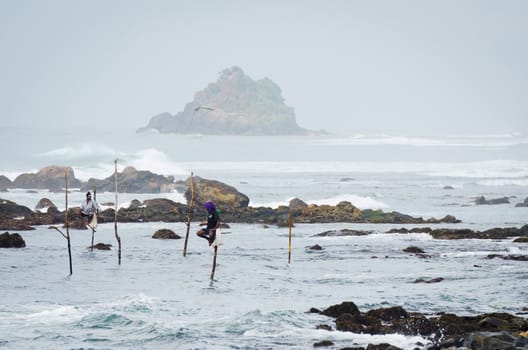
(202, 107)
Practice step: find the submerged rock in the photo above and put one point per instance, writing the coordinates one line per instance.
(483, 201)
(414, 249)
(102, 246)
(342, 233)
(13, 240)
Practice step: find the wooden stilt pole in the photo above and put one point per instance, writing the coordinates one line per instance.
(214, 262)
(115, 217)
(290, 224)
(189, 216)
(93, 231)
(67, 221)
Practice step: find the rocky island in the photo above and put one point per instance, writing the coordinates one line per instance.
(234, 105)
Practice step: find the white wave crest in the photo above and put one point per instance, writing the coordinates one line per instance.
(471, 141)
(357, 201)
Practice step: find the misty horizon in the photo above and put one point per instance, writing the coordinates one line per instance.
(406, 68)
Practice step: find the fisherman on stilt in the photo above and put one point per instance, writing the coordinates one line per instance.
(212, 223)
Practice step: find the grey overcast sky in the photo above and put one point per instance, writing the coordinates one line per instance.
(372, 66)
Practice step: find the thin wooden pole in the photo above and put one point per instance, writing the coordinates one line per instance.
(115, 217)
(290, 235)
(214, 262)
(67, 221)
(93, 231)
(189, 216)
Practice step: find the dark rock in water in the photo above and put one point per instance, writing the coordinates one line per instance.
(165, 234)
(342, 233)
(346, 307)
(131, 180)
(233, 105)
(11, 209)
(432, 280)
(382, 346)
(508, 257)
(323, 343)
(45, 203)
(316, 247)
(13, 240)
(443, 330)
(324, 326)
(296, 203)
(448, 188)
(222, 195)
(50, 177)
(413, 230)
(483, 201)
(522, 204)
(102, 246)
(493, 233)
(521, 240)
(414, 249)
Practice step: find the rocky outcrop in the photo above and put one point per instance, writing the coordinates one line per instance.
(11, 209)
(234, 105)
(13, 240)
(443, 330)
(45, 205)
(221, 194)
(5, 183)
(483, 201)
(493, 233)
(50, 177)
(297, 204)
(342, 233)
(131, 180)
(522, 204)
(165, 234)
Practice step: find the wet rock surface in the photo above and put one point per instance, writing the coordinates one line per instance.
(485, 331)
(11, 240)
(165, 234)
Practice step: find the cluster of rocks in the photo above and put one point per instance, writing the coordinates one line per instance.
(501, 200)
(233, 205)
(447, 233)
(444, 331)
(52, 178)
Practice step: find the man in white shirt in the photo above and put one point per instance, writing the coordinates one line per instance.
(89, 207)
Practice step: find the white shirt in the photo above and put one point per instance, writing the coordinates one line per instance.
(87, 208)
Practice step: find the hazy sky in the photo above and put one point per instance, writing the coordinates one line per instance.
(397, 67)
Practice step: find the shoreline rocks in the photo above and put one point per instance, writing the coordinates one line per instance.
(446, 233)
(444, 330)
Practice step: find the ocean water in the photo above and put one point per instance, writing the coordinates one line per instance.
(158, 299)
